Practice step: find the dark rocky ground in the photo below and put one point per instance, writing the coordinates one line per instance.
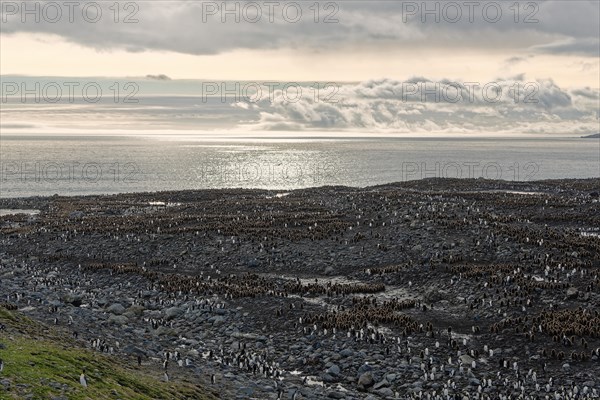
(428, 288)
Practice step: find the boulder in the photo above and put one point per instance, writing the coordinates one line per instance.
(73, 299)
(572, 293)
(173, 312)
(116, 308)
(118, 319)
(364, 368)
(366, 380)
(466, 359)
(334, 370)
(346, 353)
(386, 392)
(135, 311)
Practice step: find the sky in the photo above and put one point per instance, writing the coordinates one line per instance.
(369, 49)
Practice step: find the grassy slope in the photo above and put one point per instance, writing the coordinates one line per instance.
(49, 365)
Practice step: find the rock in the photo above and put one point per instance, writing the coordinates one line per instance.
(216, 319)
(118, 319)
(474, 382)
(329, 270)
(381, 384)
(334, 370)
(247, 391)
(55, 385)
(566, 367)
(135, 311)
(147, 294)
(366, 380)
(56, 303)
(173, 312)
(116, 308)
(102, 302)
(131, 349)
(466, 359)
(248, 336)
(73, 299)
(164, 331)
(589, 384)
(386, 392)
(336, 395)
(572, 293)
(433, 296)
(364, 368)
(346, 353)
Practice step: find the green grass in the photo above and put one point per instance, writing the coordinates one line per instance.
(49, 366)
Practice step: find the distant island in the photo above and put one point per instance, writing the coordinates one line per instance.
(592, 136)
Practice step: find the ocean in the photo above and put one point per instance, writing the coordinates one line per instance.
(45, 165)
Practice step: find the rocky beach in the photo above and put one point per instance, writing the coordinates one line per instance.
(433, 289)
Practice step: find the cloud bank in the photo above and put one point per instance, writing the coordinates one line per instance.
(422, 105)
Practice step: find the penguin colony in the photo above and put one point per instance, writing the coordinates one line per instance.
(430, 289)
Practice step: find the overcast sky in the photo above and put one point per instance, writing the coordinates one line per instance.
(371, 39)
(369, 48)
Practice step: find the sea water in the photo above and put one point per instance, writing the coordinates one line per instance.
(83, 164)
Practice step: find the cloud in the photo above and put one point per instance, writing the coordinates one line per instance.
(559, 27)
(161, 77)
(423, 105)
(416, 105)
(17, 126)
(589, 47)
(515, 60)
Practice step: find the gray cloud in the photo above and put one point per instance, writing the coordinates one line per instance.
(160, 77)
(382, 105)
(562, 27)
(17, 126)
(580, 47)
(445, 106)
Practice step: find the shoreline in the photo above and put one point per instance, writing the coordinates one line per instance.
(592, 182)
